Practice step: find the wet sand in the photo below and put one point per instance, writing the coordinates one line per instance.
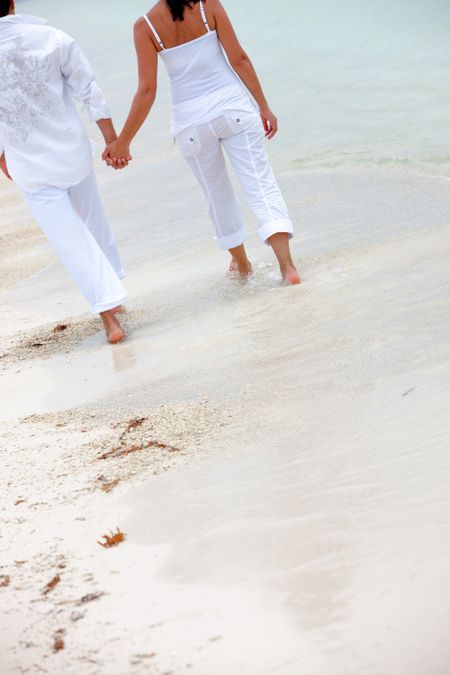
(276, 457)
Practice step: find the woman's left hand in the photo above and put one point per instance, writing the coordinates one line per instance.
(117, 155)
(270, 122)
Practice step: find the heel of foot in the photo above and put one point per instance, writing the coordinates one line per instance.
(115, 335)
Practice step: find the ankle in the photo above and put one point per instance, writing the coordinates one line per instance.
(286, 265)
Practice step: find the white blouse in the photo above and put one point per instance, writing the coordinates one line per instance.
(204, 85)
(42, 70)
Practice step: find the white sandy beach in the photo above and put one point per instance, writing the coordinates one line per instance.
(298, 520)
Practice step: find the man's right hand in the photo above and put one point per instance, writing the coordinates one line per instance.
(3, 166)
(117, 155)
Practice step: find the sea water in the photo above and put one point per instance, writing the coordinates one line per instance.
(358, 87)
(355, 83)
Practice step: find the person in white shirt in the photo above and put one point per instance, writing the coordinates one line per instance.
(45, 150)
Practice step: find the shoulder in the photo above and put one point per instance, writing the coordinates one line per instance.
(60, 34)
(44, 31)
(55, 39)
(152, 13)
(140, 24)
(61, 37)
(215, 9)
(213, 5)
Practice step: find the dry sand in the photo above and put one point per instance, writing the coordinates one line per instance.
(277, 459)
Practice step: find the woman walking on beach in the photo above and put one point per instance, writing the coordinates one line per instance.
(212, 112)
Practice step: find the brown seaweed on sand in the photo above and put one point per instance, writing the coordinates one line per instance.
(112, 539)
(90, 597)
(5, 580)
(108, 485)
(123, 452)
(51, 584)
(58, 643)
(134, 424)
(60, 328)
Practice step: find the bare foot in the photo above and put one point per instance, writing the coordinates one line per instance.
(120, 309)
(245, 270)
(290, 275)
(233, 267)
(113, 329)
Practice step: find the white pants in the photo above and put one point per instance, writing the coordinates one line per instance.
(77, 227)
(241, 135)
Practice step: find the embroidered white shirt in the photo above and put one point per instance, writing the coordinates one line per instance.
(42, 70)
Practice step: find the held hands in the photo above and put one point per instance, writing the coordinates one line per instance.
(117, 155)
(270, 122)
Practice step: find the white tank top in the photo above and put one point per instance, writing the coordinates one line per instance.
(203, 84)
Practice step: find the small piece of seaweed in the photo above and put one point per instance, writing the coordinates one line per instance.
(123, 452)
(60, 328)
(108, 487)
(112, 539)
(133, 424)
(90, 597)
(5, 580)
(51, 584)
(58, 643)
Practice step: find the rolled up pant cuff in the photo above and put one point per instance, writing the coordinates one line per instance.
(106, 306)
(232, 240)
(276, 227)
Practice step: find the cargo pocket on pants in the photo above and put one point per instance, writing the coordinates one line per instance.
(188, 141)
(240, 120)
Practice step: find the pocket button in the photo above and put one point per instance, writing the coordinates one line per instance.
(238, 120)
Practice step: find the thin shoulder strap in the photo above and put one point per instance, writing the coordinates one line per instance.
(204, 19)
(153, 29)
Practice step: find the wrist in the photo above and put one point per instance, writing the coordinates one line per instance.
(124, 140)
(110, 137)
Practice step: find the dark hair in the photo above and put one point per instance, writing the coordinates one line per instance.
(5, 6)
(177, 8)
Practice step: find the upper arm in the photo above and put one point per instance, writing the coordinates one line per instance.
(72, 59)
(80, 78)
(147, 57)
(226, 33)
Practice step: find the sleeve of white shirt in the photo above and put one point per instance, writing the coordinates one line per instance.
(80, 78)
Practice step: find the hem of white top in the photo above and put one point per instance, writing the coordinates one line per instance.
(36, 187)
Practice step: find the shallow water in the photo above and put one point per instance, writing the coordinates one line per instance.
(355, 83)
